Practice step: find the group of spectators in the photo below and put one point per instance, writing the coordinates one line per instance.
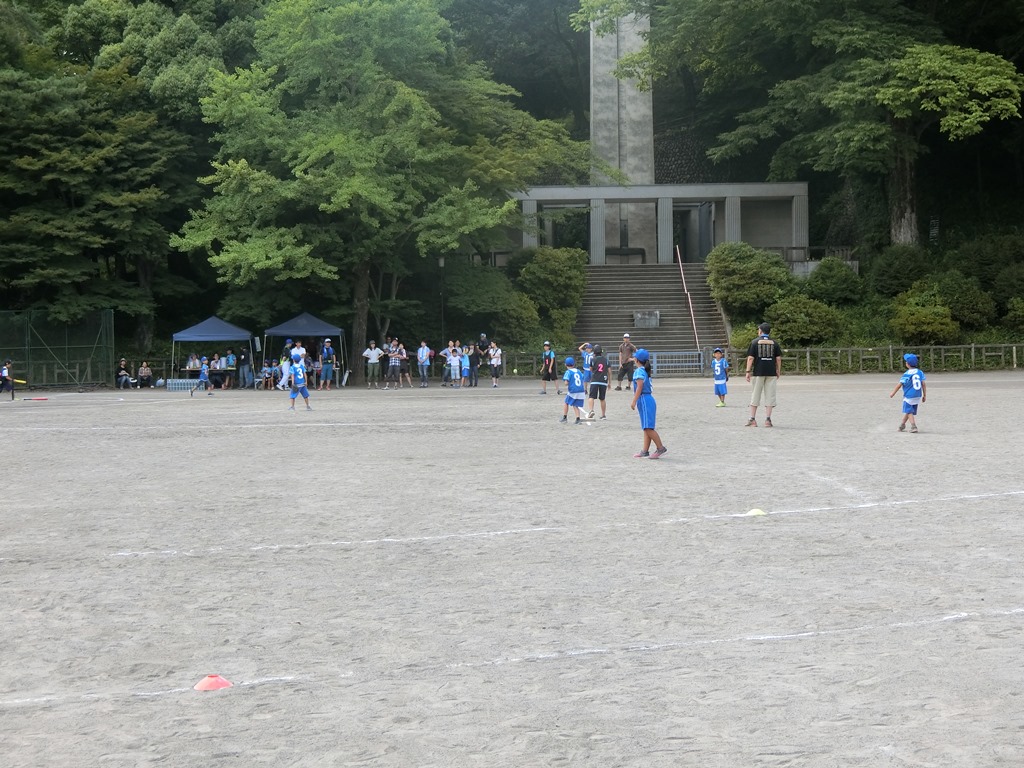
(460, 363)
(227, 371)
(125, 378)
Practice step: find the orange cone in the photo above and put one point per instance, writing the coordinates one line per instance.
(212, 683)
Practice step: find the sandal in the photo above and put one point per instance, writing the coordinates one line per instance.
(768, 423)
(751, 422)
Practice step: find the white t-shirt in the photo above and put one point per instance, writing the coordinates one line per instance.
(494, 355)
(373, 354)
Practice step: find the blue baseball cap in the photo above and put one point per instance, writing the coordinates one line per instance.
(718, 349)
(642, 355)
(570, 361)
(287, 341)
(296, 356)
(911, 358)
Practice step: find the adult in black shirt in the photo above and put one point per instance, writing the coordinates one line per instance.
(764, 363)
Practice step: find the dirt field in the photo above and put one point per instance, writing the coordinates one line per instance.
(452, 578)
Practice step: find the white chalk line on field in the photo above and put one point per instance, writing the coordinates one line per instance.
(736, 639)
(863, 505)
(339, 543)
(133, 694)
(546, 529)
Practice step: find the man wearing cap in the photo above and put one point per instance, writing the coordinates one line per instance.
(328, 359)
(626, 352)
(548, 369)
(764, 363)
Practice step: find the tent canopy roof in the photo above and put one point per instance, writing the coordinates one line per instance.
(305, 326)
(213, 329)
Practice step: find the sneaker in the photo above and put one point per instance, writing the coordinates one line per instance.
(385, 388)
(719, 404)
(751, 422)
(590, 415)
(659, 453)
(309, 408)
(578, 422)
(768, 423)
(913, 428)
(618, 389)
(494, 386)
(291, 407)
(209, 394)
(902, 427)
(642, 455)
(191, 393)
(563, 420)
(604, 417)
(558, 392)
(542, 392)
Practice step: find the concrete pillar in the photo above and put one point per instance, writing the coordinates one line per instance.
(530, 231)
(598, 217)
(622, 132)
(666, 241)
(801, 222)
(733, 220)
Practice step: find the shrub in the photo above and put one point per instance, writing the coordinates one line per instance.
(1014, 318)
(867, 324)
(1009, 283)
(741, 336)
(835, 283)
(922, 318)
(517, 320)
(896, 268)
(986, 257)
(799, 321)
(746, 280)
(969, 306)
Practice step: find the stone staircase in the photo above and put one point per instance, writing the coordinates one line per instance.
(710, 324)
(615, 292)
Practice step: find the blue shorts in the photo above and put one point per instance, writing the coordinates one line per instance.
(465, 373)
(910, 408)
(327, 372)
(300, 391)
(648, 410)
(720, 389)
(572, 399)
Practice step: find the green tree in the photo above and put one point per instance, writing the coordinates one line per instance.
(360, 140)
(554, 279)
(531, 46)
(846, 87)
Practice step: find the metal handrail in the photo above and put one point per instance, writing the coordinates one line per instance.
(689, 302)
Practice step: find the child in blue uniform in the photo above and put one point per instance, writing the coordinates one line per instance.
(575, 389)
(914, 391)
(204, 378)
(297, 380)
(643, 404)
(720, 371)
(587, 351)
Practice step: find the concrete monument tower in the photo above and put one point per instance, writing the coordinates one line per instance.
(622, 135)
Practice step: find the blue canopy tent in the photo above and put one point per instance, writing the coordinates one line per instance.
(211, 329)
(307, 326)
